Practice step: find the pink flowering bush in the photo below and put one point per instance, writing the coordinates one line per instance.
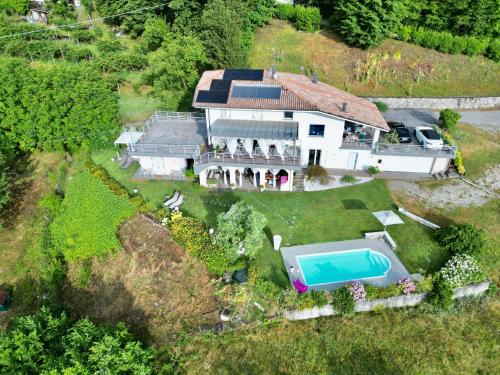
(357, 290)
(406, 285)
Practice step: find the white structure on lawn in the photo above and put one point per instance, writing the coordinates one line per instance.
(262, 128)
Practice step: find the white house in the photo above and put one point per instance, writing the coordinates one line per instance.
(263, 128)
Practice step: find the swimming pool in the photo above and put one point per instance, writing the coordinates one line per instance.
(343, 266)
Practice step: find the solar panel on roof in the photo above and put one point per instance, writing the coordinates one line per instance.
(220, 84)
(244, 74)
(256, 92)
(206, 96)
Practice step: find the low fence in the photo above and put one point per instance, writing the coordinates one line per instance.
(462, 102)
(392, 302)
(419, 219)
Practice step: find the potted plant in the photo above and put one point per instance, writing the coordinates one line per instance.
(217, 149)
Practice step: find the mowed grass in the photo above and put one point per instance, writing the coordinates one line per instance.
(300, 218)
(396, 341)
(480, 149)
(406, 69)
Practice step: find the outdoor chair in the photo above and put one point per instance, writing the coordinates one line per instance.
(172, 200)
(177, 203)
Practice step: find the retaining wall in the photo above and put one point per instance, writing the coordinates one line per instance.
(392, 302)
(463, 102)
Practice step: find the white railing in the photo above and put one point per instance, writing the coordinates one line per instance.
(357, 143)
(164, 115)
(152, 148)
(257, 159)
(409, 149)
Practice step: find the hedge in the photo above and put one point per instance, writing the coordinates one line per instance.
(304, 18)
(445, 42)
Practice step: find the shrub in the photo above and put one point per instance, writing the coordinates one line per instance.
(286, 12)
(84, 36)
(6, 182)
(391, 137)
(349, 179)
(441, 294)
(192, 235)
(373, 292)
(406, 285)
(459, 163)
(461, 270)
(109, 45)
(382, 107)
(120, 61)
(449, 119)
(493, 51)
(317, 173)
(90, 214)
(343, 301)
(461, 238)
(373, 170)
(307, 18)
(319, 297)
(240, 231)
(357, 290)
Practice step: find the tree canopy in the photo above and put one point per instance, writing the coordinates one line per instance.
(48, 343)
(55, 107)
(240, 231)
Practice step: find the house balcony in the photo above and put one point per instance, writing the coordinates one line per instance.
(291, 159)
(448, 152)
(356, 143)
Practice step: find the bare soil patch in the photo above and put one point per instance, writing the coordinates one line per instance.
(152, 285)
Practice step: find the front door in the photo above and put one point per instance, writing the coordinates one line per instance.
(351, 160)
(314, 157)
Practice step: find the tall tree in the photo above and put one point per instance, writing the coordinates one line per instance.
(366, 23)
(222, 30)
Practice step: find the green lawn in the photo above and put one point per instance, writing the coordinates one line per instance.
(301, 218)
(397, 68)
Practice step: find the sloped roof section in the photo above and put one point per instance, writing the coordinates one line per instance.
(298, 92)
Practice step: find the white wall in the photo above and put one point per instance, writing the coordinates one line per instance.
(328, 144)
(162, 165)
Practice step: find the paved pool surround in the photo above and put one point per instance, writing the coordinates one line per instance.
(395, 273)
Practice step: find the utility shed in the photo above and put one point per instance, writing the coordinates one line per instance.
(5, 300)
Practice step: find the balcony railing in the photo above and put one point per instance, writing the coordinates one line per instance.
(163, 149)
(164, 115)
(357, 143)
(415, 150)
(289, 158)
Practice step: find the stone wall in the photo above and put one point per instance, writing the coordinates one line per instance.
(464, 102)
(392, 302)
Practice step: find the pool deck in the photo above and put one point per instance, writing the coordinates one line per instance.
(395, 273)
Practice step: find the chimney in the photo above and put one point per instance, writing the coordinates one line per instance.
(274, 73)
(345, 107)
(315, 78)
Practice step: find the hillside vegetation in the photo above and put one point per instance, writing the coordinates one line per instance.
(393, 69)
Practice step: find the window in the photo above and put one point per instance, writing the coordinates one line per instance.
(288, 115)
(317, 130)
(314, 157)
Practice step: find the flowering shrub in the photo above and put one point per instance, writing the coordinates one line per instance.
(406, 285)
(342, 301)
(461, 270)
(357, 290)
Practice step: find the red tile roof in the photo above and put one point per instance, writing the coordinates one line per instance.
(298, 93)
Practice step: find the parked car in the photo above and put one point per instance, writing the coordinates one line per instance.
(428, 137)
(404, 135)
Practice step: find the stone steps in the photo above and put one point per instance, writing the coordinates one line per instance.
(298, 184)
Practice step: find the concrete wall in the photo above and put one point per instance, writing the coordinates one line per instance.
(162, 165)
(440, 103)
(393, 302)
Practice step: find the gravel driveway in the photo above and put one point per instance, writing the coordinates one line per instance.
(487, 120)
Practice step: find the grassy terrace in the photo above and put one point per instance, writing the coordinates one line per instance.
(406, 69)
(301, 218)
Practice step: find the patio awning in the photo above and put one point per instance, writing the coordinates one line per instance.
(387, 218)
(128, 138)
(284, 130)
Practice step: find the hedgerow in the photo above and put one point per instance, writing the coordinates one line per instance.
(89, 216)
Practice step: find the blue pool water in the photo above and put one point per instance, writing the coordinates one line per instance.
(343, 266)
